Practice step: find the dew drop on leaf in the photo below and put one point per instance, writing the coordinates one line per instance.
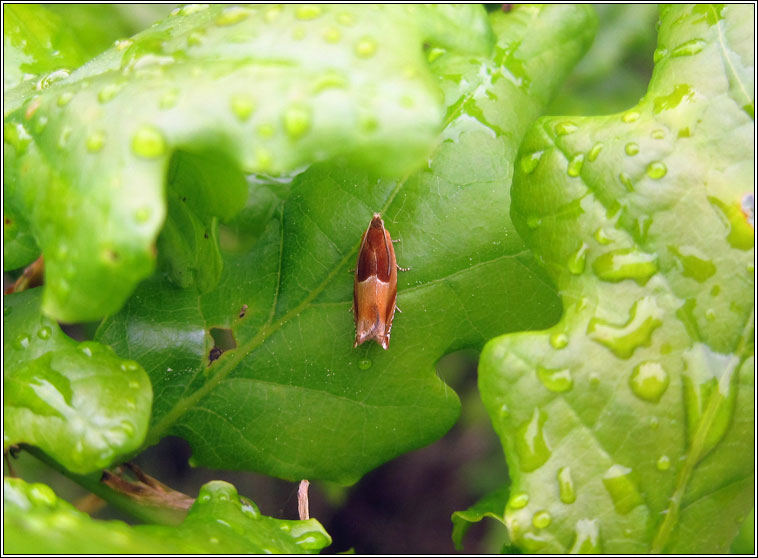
(595, 151)
(44, 332)
(297, 120)
(148, 142)
(518, 501)
(578, 259)
(242, 106)
(663, 463)
(656, 170)
(529, 162)
(531, 446)
(622, 489)
(365, 363)
(366, 47)
(631, 148)
(566, 486)
(649, 381)
(575, 165)
(555, 380)
(232, 15)
(626, 263)
(559, 340)
(623, 339)
(541, 519)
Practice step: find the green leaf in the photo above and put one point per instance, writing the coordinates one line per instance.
(491, 505)
(272, 88)
(79, 402)
(220, 521)
(628, 427)
(290, 396)
(38, 49)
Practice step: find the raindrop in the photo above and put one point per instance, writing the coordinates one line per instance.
(44, 332)
(575, 165)
(630, 117)
(232, 15)
(95, 141)
(531, 446)
(541, 519)
(242, 106)
(632, 148)
(626, 263)
(649, 381)
(622, 489)
(663, 463)
(578, 259)
(566, 486)
(297, 120)
(565, 127)
(689, 48)
(365, 363)
(529, 162)
(307, 12)
(148, 142)
(656, 170)
(559, 340)
(518, 501)
(555, 380)
(595, 151)
(366, 47)
(644, 317)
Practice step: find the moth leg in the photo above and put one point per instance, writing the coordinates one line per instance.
(395, 240)
(398, 308)
(403, 268)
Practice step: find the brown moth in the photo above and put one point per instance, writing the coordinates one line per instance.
(375, 286)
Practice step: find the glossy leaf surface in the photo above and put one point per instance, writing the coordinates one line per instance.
(220, 521)
(79, 402)
(289, 396)
(629, 426)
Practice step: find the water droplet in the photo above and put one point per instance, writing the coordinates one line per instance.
(366, 47)
(42, 495)
(109, 92)
(631, 148)
(630, 117)
(190, 9)
(565, 127)
(559, 340)
(692, 263)
(602, 236)
(365, 363)
(64, 98)
(626, 181)
(658, 54)
(331, 35)
(656, 170)
(533, 221)
(44, 332)
(22, 341)
(86, 350)
(195, 38)
(518, 501)
(663, 463)
(555, 380)
(242, 106)
(644, 317)
(39, 124)
(658, 134)
(681, 92)
(625, 263)
(272, 13)
(710, 394)
(575, 165)
(622, 489)
(307, 12)
(346, 18)
(265, 130)
(142, 215)
(531, 446)
(578, 259)
(95, 141)
(689, 48)
(586, 538)
(595, 151)
(529, 162)
(566, 486)
(504, 412)
(654, 423)
(232, 15)
(741, 232)
(541, 519)
(297, 120)
(127, 428)
(406, 101)
(168, 99)
(330, 79)
(649, 381)
(148, 142)
(17, 136)
(263, 159)
(122, 44)
(48, 79)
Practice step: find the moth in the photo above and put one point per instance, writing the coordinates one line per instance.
(375, 285)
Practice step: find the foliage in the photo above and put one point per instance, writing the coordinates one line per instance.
(200, 189)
